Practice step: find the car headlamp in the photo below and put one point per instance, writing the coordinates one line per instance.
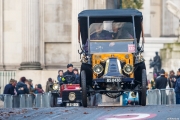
(55, 87)
(128, 69)
(98, 68)
(72, 96)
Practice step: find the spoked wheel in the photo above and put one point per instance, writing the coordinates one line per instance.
(144, 89)
(84, 90)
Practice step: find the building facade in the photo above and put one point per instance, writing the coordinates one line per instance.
(39, 37)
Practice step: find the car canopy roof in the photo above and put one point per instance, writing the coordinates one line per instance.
(95, 16)
(110, 13)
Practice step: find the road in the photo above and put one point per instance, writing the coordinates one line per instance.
(161, 112)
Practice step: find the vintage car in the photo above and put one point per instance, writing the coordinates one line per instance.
(112, 60)
(66, 94)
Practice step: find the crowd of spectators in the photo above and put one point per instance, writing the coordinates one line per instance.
(171, 80)
(25, 86)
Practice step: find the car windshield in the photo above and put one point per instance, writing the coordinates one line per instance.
(111, 36)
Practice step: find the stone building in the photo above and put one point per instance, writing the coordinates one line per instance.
(39, 37)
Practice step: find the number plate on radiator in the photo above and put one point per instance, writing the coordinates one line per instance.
(113, 80)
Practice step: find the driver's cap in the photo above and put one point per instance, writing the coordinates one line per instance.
(69, 65)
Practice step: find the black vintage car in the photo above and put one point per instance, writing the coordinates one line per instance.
(112, 61)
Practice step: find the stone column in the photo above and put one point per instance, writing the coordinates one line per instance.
(30, 35)
(147, 16)
(77, 7)
(1, 35)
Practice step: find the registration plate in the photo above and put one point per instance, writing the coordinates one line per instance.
(113, 80)
(72, 104)
(59, 100)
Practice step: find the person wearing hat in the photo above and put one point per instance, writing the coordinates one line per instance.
(177, 87)
(70, 72)
(161, 82)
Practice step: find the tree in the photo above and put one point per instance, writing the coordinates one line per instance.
(136, 4)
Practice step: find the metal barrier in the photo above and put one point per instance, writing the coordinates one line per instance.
(168, 96)
(161, 97)
(27, 100)
(46, 99)
(154, 97)
(8, 101)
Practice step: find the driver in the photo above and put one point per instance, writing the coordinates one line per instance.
(69, 73)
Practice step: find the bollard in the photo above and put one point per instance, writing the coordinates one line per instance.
(8, 101)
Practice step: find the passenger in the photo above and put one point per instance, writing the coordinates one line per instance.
(60, 77)
(10, 88)
(69, 75)
(21, 87)
(120, 32)
(100, 34)
(49, 85)
(76, 72)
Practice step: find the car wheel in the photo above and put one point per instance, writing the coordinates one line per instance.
(143, 91)
(84, 90)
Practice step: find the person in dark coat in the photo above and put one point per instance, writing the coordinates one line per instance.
(177, 88)
(60, 77)
(49, 85)
(76, 72)
(69, 75)
(172, 79)
(9, 88)
(38, 89)
(161, 82)
(21, 87)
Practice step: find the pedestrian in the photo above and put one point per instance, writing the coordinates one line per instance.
(177, 75)
(31, 88)
(38, 89)
(172, 79)
(49, 85)
(177, 88)
(60, 77)
(161, 82)
(21, 87)
(10, 88)
(76, 72)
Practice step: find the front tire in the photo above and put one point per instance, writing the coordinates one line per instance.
(144, 89)
(84, 90)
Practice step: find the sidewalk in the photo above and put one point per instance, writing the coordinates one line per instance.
(1, 104)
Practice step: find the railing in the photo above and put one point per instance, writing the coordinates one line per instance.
(27, 100)
(161, 97)
(5, 76)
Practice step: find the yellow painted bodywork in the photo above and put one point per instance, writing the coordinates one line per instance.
(97, 58)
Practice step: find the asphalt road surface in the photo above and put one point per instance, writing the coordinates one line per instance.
(161, 112)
